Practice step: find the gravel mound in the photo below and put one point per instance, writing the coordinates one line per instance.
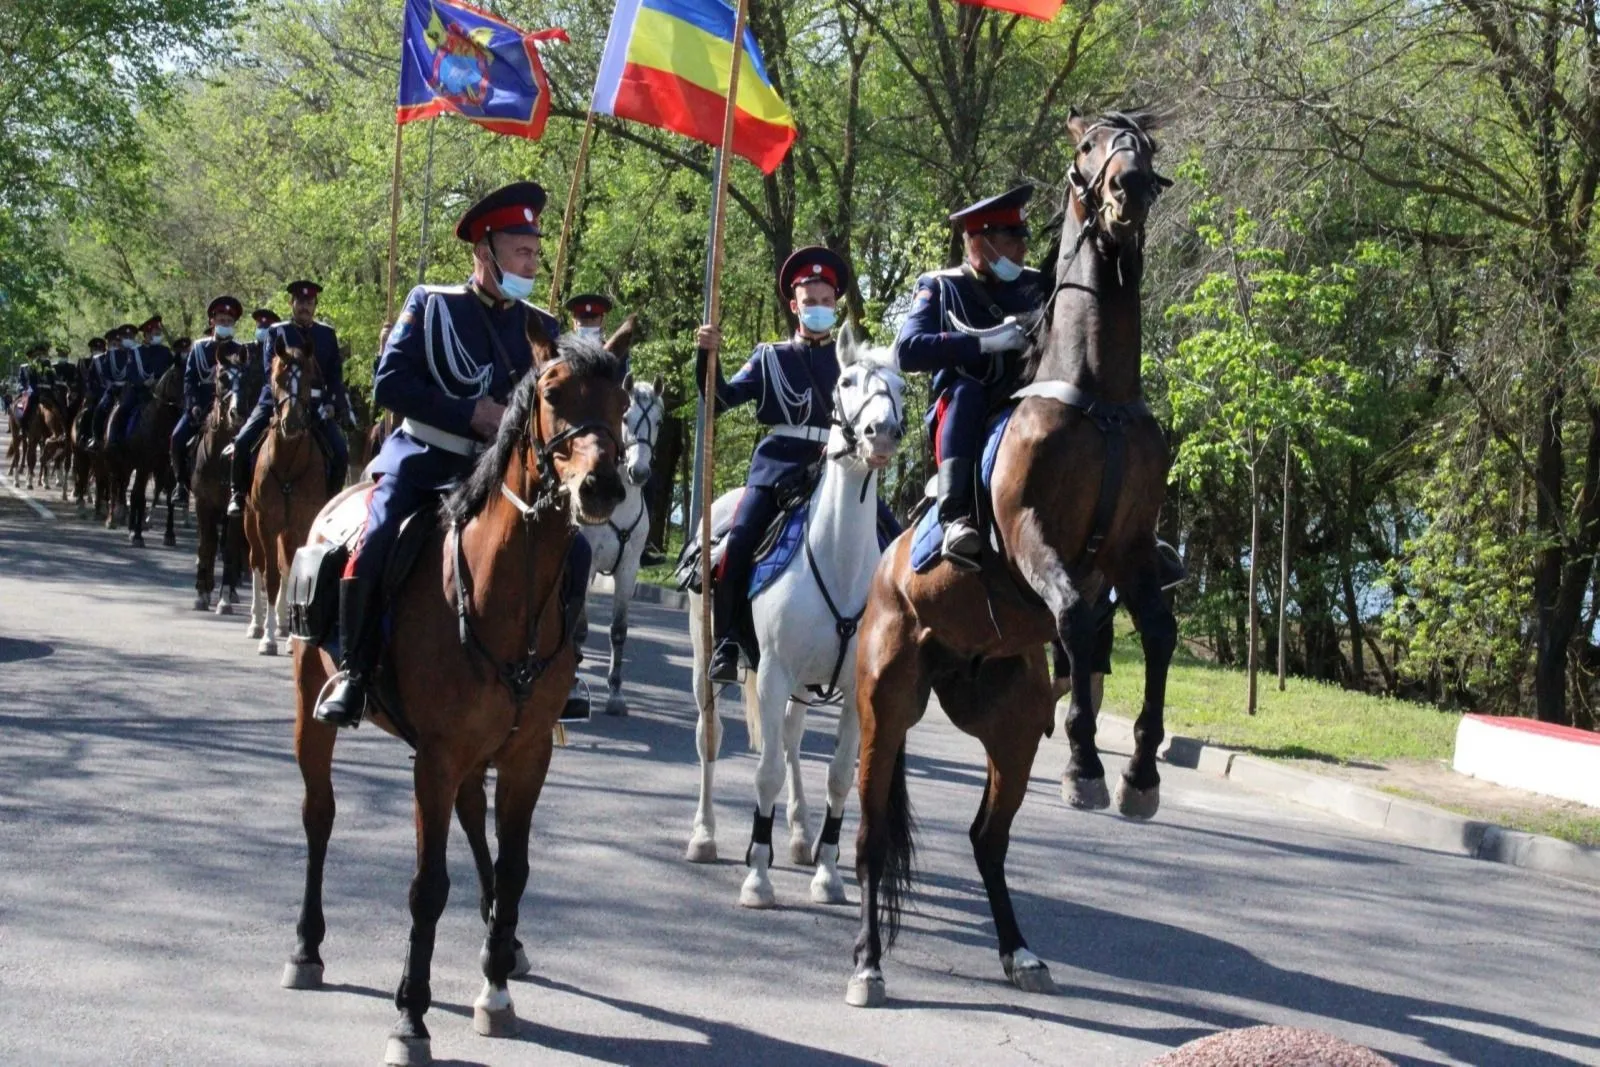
(1270, 1046)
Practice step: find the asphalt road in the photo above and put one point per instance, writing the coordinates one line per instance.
(151, 856)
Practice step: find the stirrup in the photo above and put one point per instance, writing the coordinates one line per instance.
(235, 506)
(962, 545)
(725, 662)
(342, 681)
(576, 709)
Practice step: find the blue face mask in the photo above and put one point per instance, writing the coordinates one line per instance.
(818, 318)
(223, 332)
(515, 286)
(1005, 270)
(261, 334)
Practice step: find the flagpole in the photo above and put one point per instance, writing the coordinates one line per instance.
(713, 314)
(394, 224)
(559, 279)
(427, 203)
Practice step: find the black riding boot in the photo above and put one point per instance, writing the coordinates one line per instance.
(239, 475)
(576, 709)
(358, 653)
(724, 609)
(963, 546)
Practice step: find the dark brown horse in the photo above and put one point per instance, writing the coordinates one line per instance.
(209, 490)
(145, 456)
(480, 662)
(1078, 484)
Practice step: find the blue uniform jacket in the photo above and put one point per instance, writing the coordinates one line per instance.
(928, 343)
(147, 363)
(324, 344)
(791, 383)
(115, 371)
(199, 372)
(439, 362)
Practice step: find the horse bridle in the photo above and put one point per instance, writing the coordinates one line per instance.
(847, 423)
(648, 414)
(544, 449)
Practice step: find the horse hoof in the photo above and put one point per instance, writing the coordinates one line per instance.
(800, 851)
(170, 540)
(136, 540)
(1086, 794)
(757, 892)
(267, 647)
(1136, 803)
(521, 967)
(1027, 972)
(253, 632)
(617, 706)
(866, 990)
(828, 888)
(302, 975)
(202, 602)
(408, 1052)
(702, 849)
(493, 1022)
(223, 607)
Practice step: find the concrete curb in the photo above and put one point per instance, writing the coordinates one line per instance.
(643, 593)
(1406, 820)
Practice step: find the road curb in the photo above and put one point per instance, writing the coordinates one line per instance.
(1407, 820)
(643, 593)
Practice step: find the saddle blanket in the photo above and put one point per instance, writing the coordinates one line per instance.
(929, 535)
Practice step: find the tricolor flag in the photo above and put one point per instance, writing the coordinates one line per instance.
(666, 64)
(454, 57)
(1043, 10)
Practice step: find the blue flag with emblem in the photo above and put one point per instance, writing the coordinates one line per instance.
(456, 58)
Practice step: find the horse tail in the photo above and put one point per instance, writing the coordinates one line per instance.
(898, 851)
(752, 711)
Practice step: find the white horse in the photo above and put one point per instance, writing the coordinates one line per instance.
(618, 543)
(805, 624)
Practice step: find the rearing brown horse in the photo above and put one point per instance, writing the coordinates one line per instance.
(478, 664)
(1077, 486)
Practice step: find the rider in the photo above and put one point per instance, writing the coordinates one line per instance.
(589, 311)
(119, 366)
(30, 379)
(447, 370)
(792, 385)
(258, 353)
(199, 380)
(988, 290)
(305, 332)
(91, 370)
(144, 365)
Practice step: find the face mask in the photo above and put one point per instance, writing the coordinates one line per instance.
(817, 318)
(515, 286)
(1005, 270)
(591, 333)
(261, 334)
(127, 342)
(157, 338)
(223, 332)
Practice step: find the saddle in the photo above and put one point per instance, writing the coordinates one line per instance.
(792, 495)
(928, 537)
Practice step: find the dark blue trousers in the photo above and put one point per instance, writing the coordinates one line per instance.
(961, 428)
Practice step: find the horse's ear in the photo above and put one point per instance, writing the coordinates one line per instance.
(627, 380)
(846, 349)
(659, 384)
(539, 339)
(620, 342)
(280, 347)
(1077, 125)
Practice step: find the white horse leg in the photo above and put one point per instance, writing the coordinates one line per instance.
(623, 580)
(703, 838)
(258, 605)
(772, 688)
(827, 887)
(794, 732)
(280, 607)
(269, 630)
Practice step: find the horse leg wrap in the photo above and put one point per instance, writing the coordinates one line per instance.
(831, 824)
(760, 834)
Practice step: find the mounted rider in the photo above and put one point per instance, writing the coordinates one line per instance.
(589, 311)
(792, 385)
(144, 366)
(258, 353)
(121, 343)
(305, 332)
(31, 377)
(447, 370)
(987, 292)
(199, 380)
(89, 372)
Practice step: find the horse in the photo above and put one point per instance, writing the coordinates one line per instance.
(209, 489)
(30, 437)
(289, 488)
(479, 661)
(59, 451)
(1078, 483)
(89, 473)
(804, 622)
(145, 454)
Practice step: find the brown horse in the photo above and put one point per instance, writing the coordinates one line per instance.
(60, 453)
(290, 487)
(146, 455)
(31, 438)
(478, 667)
(1077, 487)
(209, 491)
(89, 474)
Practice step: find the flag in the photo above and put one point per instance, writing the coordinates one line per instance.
(1043, 10)
(454, 57)
(666, 64)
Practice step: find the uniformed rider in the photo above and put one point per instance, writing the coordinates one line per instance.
(199, 379)
(447, 370)
(305, 332)
(589, 311)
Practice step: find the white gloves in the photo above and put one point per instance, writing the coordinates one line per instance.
(1006, 337)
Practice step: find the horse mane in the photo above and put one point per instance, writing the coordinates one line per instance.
(1142, 120)
(586, 360)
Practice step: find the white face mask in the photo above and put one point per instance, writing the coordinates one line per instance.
(128, 343)
(223, 332)
(515, 286)
(261, 334)
(591, 333)
(157, 338)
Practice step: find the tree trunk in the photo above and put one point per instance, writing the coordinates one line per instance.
(1283, 577)
(1250, 596)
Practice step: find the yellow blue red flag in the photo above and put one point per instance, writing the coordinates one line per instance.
(666, 64)
(456, 58)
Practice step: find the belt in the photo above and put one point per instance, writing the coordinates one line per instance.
(814, 434)
(432, 435)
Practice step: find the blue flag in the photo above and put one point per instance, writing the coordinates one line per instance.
(456, 58)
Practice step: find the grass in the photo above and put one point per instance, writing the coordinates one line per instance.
(1578, 827)
(1310, 720)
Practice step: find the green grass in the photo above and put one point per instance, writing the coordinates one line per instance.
(1577, 827)
(1310, 720)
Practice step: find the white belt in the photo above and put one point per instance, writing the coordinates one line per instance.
(432, 435)
(815, 434)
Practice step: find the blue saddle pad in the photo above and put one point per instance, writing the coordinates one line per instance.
(929, 536)
(773, 563)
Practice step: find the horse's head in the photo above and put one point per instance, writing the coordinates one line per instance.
(868, 403)
(1113, 176)
(574, 421)
(296, 387)
(169, 387)
(641, 427)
